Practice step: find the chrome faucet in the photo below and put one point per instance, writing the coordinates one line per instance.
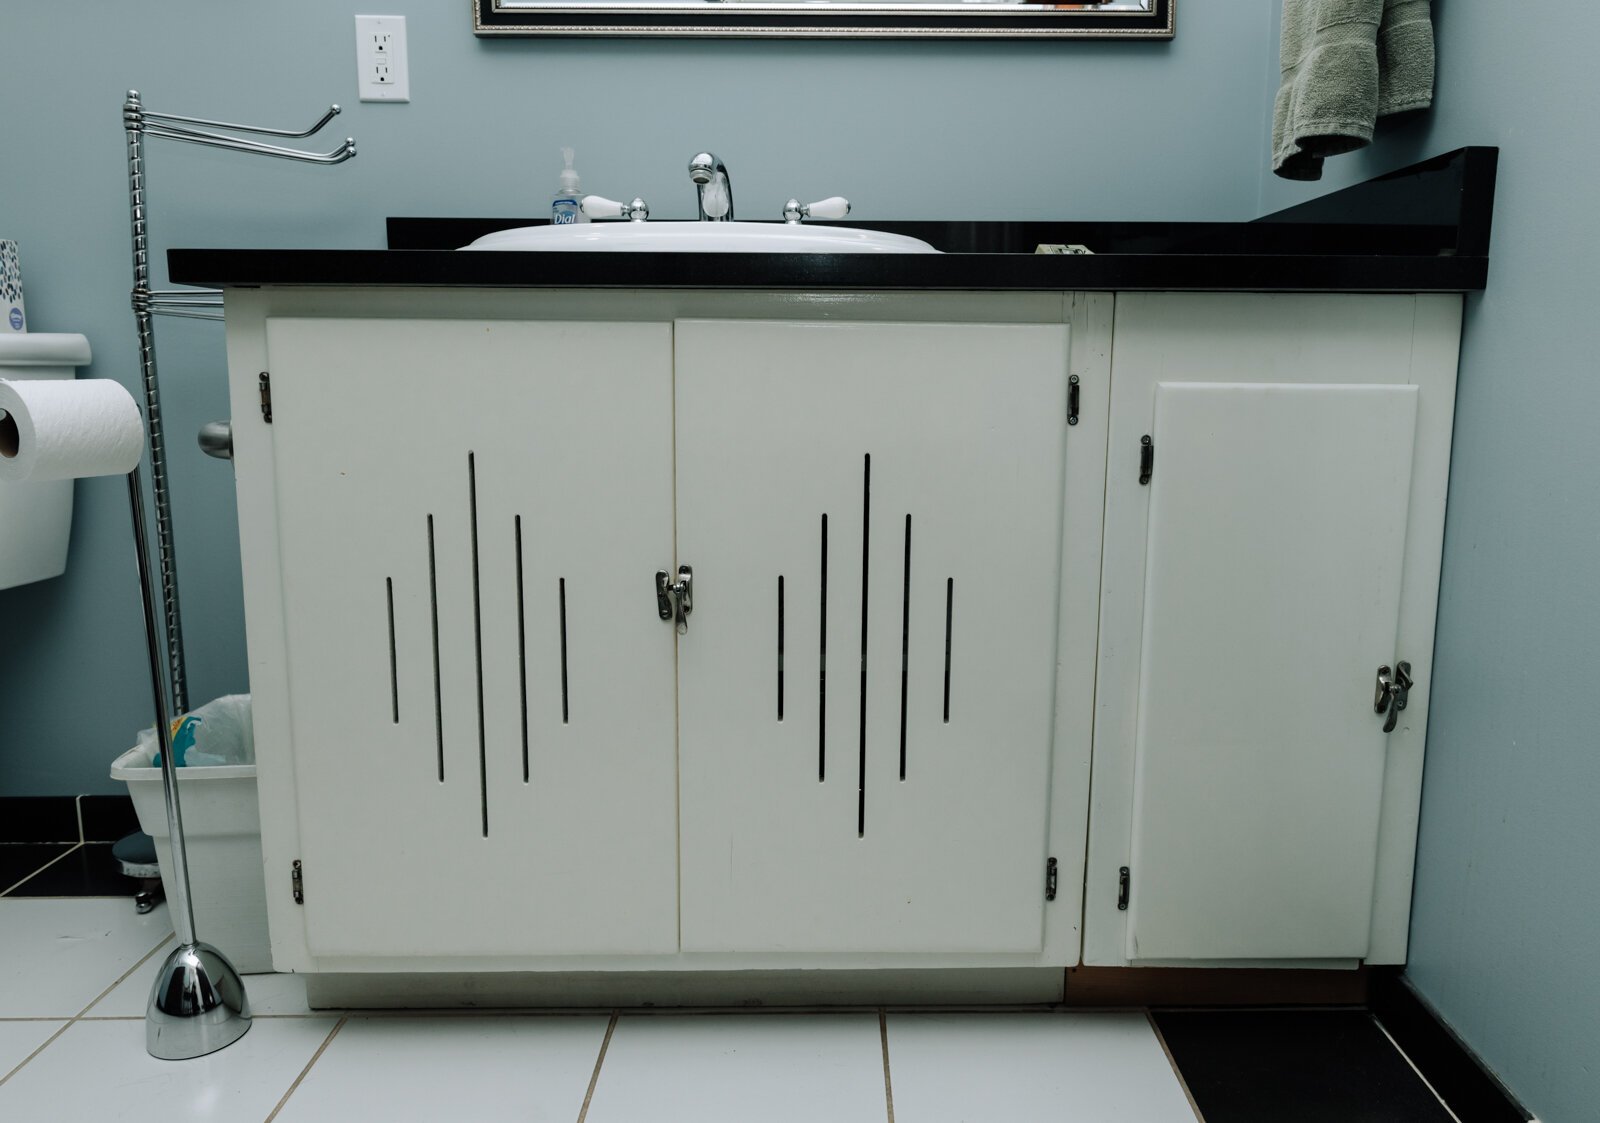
(707, 170)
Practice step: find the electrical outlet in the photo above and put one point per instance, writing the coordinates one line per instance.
(381, 71)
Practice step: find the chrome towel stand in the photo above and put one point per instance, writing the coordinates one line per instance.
(194, 304)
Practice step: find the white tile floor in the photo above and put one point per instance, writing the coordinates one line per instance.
(73, 979)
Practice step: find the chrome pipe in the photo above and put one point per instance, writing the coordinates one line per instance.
(217, 140)
(175, 118)
(198, 1002)
(133, 123)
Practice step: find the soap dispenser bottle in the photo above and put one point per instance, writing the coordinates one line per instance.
(566, 205)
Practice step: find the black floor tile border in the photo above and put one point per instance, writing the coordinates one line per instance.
(1445, 1061)
(21, 860)
(88, 871)
(1331, 1065)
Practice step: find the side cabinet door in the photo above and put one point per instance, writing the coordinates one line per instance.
(480, 690)
(872, 513)
(1282, 549)
(1272, 589)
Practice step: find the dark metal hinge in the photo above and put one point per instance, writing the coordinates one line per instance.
(1147, 459)
(1050, 880)
(265, 382)
(298, 883)
(1122, 889)
(1072, 400)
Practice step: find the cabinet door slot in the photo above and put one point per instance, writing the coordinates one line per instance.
(780, 647)
(905, 647)
(477, 638)
(822, 665)
(949, 617)
(438, 689)
(394, 666)
(565, 712)
(522, 648)
(866, 540)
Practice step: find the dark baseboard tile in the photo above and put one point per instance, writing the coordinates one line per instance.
(1457, 1074)
(38, 818)
(106, 818)
(56, 818)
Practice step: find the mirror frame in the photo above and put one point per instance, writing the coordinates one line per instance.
(743, 19)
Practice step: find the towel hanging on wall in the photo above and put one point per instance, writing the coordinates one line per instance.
(1346, 63)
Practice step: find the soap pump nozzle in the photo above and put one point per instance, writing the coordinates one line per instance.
(569, 174)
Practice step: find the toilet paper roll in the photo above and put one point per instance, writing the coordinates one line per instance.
(60, 428)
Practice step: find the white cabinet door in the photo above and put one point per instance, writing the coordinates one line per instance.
(1272, 591)
(1284, 548)
(480, 693)
(872, 513)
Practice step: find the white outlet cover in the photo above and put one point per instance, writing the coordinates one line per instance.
(382, 73)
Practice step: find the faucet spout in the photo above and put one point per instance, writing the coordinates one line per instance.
(707, 171)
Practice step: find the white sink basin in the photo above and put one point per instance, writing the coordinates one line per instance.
(699, 237)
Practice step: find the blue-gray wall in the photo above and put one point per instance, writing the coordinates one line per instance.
(1506, 901)
(906, 130)
(1506, 914)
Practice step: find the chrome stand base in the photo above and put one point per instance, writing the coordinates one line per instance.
(197, 1005)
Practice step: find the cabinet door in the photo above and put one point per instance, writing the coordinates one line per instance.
(873, 517)
(1272, 592)
(1283, 549)
(481, 695)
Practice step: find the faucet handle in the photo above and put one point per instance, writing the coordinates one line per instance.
(596, 206)
(834, 206)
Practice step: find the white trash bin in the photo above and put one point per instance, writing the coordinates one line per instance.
(222, 826)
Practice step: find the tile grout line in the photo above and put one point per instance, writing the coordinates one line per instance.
(1426, 1083)
(1173, 1064)
(161, 943)
(76, 1018)
(315, 1057)
(70, 848)
(594, 1077)
(883, 1038)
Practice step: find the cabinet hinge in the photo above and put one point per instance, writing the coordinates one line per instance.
(297, 883)
(1147, 459)
(265, 382)
(1050, 880)
(1072, 400)
(1122, 889)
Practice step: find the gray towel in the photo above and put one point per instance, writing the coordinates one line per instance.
(1346, 63)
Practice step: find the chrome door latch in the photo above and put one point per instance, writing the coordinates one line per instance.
(674, 599)
(1391, 692)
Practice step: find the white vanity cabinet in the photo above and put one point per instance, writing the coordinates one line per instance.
(482, 745)
(1274, 513)
(940, 550)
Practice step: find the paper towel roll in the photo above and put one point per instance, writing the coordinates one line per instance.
(59, 428)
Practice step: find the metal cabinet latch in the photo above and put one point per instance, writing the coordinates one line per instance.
(1389, 697)
(674, 599)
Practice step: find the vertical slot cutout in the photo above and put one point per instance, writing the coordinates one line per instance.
(438, 693)
(394, 667)
(780, 647)
(822, 666)
(565, 713)
(477, 638)
(866, 543)
(905, 647)
(522, 651)
(949, 617)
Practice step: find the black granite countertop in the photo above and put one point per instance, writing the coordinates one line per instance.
(1421, 229)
